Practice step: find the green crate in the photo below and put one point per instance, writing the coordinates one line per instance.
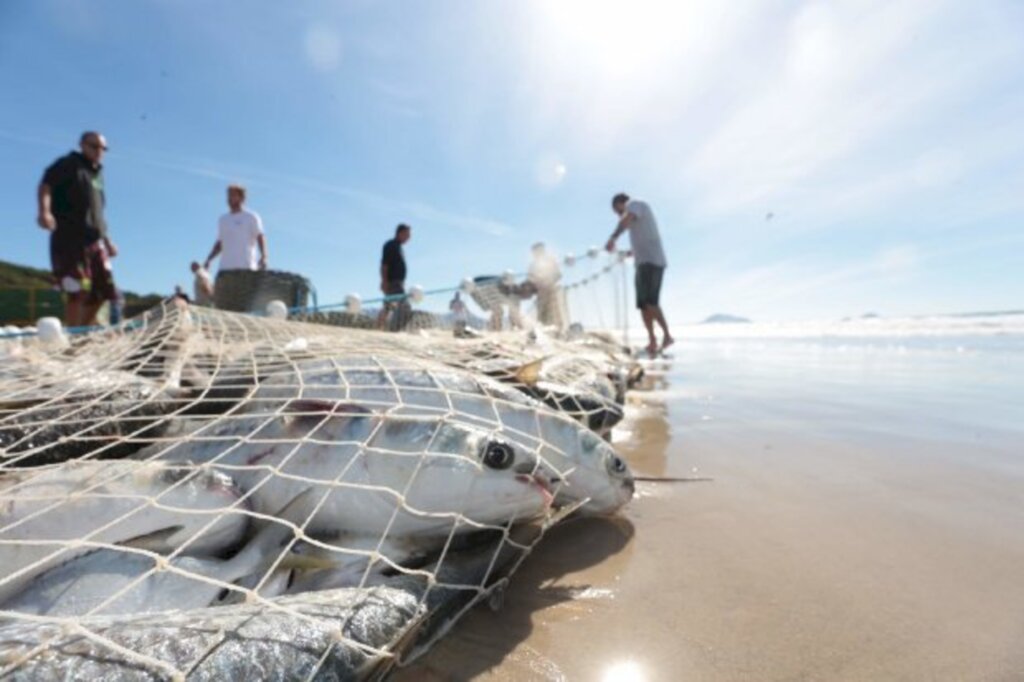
(25, 306)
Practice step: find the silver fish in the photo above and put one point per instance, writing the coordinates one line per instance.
(108, 413)
(84, 402)
(341, 634)
(123, 581)
(335, 635)
(54, 515)
(403, 446)
(569, 384)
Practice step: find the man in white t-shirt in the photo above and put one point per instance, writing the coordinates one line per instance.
(645, 241)
(239, 232)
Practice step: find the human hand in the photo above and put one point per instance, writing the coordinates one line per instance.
(47, 221)
(383, 287)
(263, 264)
(610, 246)
(111, 249)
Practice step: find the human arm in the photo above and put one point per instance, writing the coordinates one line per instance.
(261, 240)
(214, 252)
(385, 258)
(45, 217)
(205, 285)
(55, 178)
(111, 247)
(624, 223)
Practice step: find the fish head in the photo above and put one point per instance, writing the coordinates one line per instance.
(450, 467)
(594, 475)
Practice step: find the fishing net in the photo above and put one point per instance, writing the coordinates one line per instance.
(201, 494)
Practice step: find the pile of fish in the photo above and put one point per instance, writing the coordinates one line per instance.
(210, 495)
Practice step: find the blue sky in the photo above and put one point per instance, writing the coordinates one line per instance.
(884, 138)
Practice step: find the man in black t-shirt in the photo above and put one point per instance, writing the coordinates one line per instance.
(71, 201)
(392, 279)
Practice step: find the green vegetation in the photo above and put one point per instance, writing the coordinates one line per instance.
(17, 280)
(23, 277)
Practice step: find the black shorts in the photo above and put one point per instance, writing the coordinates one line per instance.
(648, 284)
(394, 287)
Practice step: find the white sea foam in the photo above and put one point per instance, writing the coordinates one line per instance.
(971, 324)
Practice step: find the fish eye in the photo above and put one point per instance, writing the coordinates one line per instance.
(616, 465)
(498, 455)
(174, 475)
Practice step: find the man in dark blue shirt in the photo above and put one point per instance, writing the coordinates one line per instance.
(71, 200)
(392, 279)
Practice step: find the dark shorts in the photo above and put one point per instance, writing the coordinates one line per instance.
(648, 284)
(401, 311)
(83, 271)
(394, 288)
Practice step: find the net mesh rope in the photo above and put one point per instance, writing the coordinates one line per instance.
(202, 493)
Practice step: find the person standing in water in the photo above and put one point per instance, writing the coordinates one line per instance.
(645, 241)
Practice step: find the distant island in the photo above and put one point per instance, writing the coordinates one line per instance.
(865, 316)
(722, 318)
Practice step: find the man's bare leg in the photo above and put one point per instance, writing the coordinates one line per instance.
(382, 317)
(667, 339)
(647, 313)
(73, 310)
(89, 311)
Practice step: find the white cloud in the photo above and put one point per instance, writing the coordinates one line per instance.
(860, 83)
(414, 210)
(793, 283)
(323, 47)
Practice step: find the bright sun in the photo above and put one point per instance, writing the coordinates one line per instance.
(619, 38)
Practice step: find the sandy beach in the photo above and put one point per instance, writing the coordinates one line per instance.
(863, 523)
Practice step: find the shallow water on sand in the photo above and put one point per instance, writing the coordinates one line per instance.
(863, 522)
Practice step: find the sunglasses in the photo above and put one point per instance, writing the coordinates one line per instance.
(96, 145)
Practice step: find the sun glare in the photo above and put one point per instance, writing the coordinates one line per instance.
(624, 671)
(618, 37)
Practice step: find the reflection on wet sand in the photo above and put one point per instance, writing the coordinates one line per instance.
(644, 436)
(485, 638)
(571, 577)
(863, 524)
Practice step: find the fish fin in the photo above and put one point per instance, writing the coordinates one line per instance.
(154, 541)
(303, 414)
(287, 512)
(265, 546)
(275, 533)
(529, 373)
(20, 405)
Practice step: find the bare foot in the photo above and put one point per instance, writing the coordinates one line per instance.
(652, 349)
(668, 341)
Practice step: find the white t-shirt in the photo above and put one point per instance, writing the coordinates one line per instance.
(643, 235)
(238, 233)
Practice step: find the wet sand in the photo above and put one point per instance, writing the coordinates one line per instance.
(865, 522)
